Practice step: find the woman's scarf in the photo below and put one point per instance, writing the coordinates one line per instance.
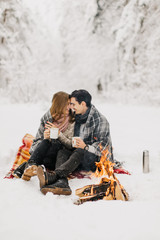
(62, 123)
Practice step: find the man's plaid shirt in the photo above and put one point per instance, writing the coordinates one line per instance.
(96, 132)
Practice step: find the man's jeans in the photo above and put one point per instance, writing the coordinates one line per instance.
(78, 159)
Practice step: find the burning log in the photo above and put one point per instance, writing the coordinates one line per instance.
(109, 187)
(106, 190)
(93, 189)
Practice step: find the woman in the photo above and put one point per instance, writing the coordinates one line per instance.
(44, 149)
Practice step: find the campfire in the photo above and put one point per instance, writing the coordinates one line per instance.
(109, 187)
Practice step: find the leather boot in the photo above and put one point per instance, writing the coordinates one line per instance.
(45, 177)
(29, 171)
(60, 187)
(18, 172)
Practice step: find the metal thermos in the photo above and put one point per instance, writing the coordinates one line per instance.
(146, 161)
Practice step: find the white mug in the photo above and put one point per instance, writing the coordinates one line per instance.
(54, 133)
(74, 141)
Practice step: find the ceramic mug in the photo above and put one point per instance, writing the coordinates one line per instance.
(54, 133)
(74, 141)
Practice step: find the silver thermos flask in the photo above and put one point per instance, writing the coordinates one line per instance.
(146, 161)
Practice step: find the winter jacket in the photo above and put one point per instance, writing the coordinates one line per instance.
(96, 132)
(65, 137)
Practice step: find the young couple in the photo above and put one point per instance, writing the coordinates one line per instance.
(52, 160)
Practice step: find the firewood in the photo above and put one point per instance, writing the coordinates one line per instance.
(106, 190)
(109, 197)
(92, 189)
(126, 195)
(118, 193)
(94, 197)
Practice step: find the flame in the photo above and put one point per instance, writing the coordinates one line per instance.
(105, 168)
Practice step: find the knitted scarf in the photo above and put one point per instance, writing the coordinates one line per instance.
(62, 123)
(79, 120)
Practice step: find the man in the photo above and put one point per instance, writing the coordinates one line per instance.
(93, 130)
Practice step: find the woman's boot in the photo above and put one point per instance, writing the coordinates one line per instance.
(29, 171)
(18, 172)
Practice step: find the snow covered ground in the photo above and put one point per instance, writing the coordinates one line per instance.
(27, 214)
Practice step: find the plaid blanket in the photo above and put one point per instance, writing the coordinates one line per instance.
(22, 154)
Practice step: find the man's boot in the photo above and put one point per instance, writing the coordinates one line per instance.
(18, 172)
(60, 187)
(45, 177)
(29, 171)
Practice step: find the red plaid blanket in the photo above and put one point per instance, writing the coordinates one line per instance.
(22, 154)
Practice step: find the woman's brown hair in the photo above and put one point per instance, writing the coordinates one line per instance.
(59, 104)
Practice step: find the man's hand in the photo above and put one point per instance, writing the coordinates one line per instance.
(80, 143)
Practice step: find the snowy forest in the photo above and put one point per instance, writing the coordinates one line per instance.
(48, 45)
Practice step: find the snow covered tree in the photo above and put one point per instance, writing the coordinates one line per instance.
(14, 26)
(137, 38)
(21, 51)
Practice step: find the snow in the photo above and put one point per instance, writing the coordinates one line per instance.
(25, 213)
